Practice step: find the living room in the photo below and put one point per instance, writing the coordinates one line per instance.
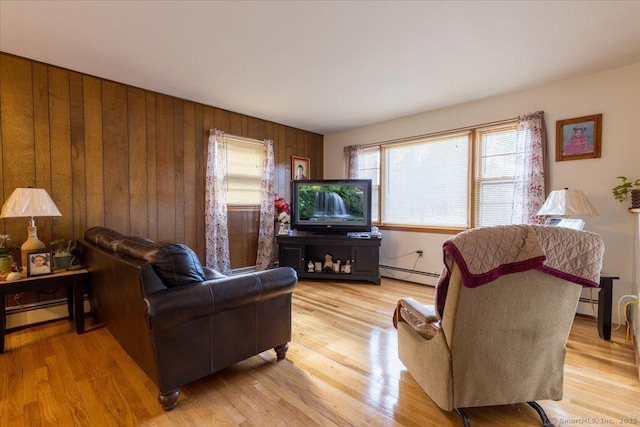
(107, 149)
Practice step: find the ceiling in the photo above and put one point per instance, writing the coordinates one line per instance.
(326, 66)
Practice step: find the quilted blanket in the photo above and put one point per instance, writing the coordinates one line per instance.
(486, 253)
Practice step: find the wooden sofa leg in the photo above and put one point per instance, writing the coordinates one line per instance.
(169, 400)
(281, 350)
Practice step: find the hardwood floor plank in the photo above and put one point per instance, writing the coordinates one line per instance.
(342, 369)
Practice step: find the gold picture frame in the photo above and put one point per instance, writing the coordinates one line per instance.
(579, 138)
(300, 168)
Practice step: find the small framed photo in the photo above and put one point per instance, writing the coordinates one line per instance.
(39, 263)
(579, 138)
(299, 168)
(284, 229)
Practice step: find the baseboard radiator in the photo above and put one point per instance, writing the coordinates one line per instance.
(40, 312)
(406, 274)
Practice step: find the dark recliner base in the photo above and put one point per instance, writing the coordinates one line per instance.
(543, 416)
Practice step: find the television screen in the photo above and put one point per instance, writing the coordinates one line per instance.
(332, 205)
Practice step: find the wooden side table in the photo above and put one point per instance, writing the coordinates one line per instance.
(74, 280)
(605, 301)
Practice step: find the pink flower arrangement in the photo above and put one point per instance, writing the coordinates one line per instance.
(282, 209)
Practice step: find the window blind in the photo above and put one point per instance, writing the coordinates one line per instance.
(427, 182)
(244, 171)
(495, 175)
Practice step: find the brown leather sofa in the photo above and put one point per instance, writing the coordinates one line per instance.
(180, 321)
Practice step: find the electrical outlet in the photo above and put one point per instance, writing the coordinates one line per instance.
(419, 252)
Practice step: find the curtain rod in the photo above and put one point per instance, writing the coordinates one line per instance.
(434, 134)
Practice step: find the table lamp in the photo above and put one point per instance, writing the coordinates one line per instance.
(564, 204)
(29, 203)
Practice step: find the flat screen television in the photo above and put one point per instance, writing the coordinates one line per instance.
(331, 206)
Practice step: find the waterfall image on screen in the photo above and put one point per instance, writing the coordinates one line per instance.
(334, 203)
(329, 204)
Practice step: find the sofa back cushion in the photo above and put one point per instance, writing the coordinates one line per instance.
(174, 263)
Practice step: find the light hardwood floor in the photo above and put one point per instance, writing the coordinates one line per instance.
(342, 369)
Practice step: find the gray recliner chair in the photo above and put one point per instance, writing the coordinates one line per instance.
(504, 308)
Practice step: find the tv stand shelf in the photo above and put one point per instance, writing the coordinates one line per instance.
(364, 254)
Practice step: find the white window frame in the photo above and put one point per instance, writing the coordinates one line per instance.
(474, 174)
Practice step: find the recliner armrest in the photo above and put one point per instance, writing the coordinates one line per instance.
(425, 313)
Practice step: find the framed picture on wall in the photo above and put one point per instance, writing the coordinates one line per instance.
(579, 138)
(39, 263)
(299, 168)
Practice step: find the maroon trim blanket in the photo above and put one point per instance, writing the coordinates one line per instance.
(486, 253)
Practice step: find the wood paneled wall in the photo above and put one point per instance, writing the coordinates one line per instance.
(123, 157)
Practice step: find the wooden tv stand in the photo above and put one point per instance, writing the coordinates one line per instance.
(364, 254)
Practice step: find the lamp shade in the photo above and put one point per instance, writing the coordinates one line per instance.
(567, 203)
(29, 202)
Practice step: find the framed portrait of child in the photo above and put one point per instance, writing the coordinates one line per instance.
(39, 263)
(579, 138)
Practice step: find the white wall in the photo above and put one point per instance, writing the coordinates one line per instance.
(614, 93)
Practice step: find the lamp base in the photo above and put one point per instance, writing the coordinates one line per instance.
(32, 244)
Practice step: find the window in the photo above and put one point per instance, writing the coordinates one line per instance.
(369, 168)
(426, 182)
(454, 180)
(244, 171)
(496, 172)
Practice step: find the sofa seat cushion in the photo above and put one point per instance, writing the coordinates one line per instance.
(174, 263)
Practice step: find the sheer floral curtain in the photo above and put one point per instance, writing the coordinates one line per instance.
(216, 229)
(353, 167)
(266, 247)
(529, 190)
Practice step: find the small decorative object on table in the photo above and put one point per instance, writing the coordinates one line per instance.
(347, 267)
(38, 263)
(61, 253)
(310, 267)
(5, 253)
(328, 263)
(282, 215)
(15, 273)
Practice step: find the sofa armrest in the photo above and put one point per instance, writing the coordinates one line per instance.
(211, 274)
(234, 291)
(177, 305)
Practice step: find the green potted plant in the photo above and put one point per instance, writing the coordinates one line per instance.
(621, 192)
(61, 253)
(5, 252)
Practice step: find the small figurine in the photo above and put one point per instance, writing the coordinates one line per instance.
(336, 266)
(347, 267)
(15, 272)
(328, 263)
(310, 267)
